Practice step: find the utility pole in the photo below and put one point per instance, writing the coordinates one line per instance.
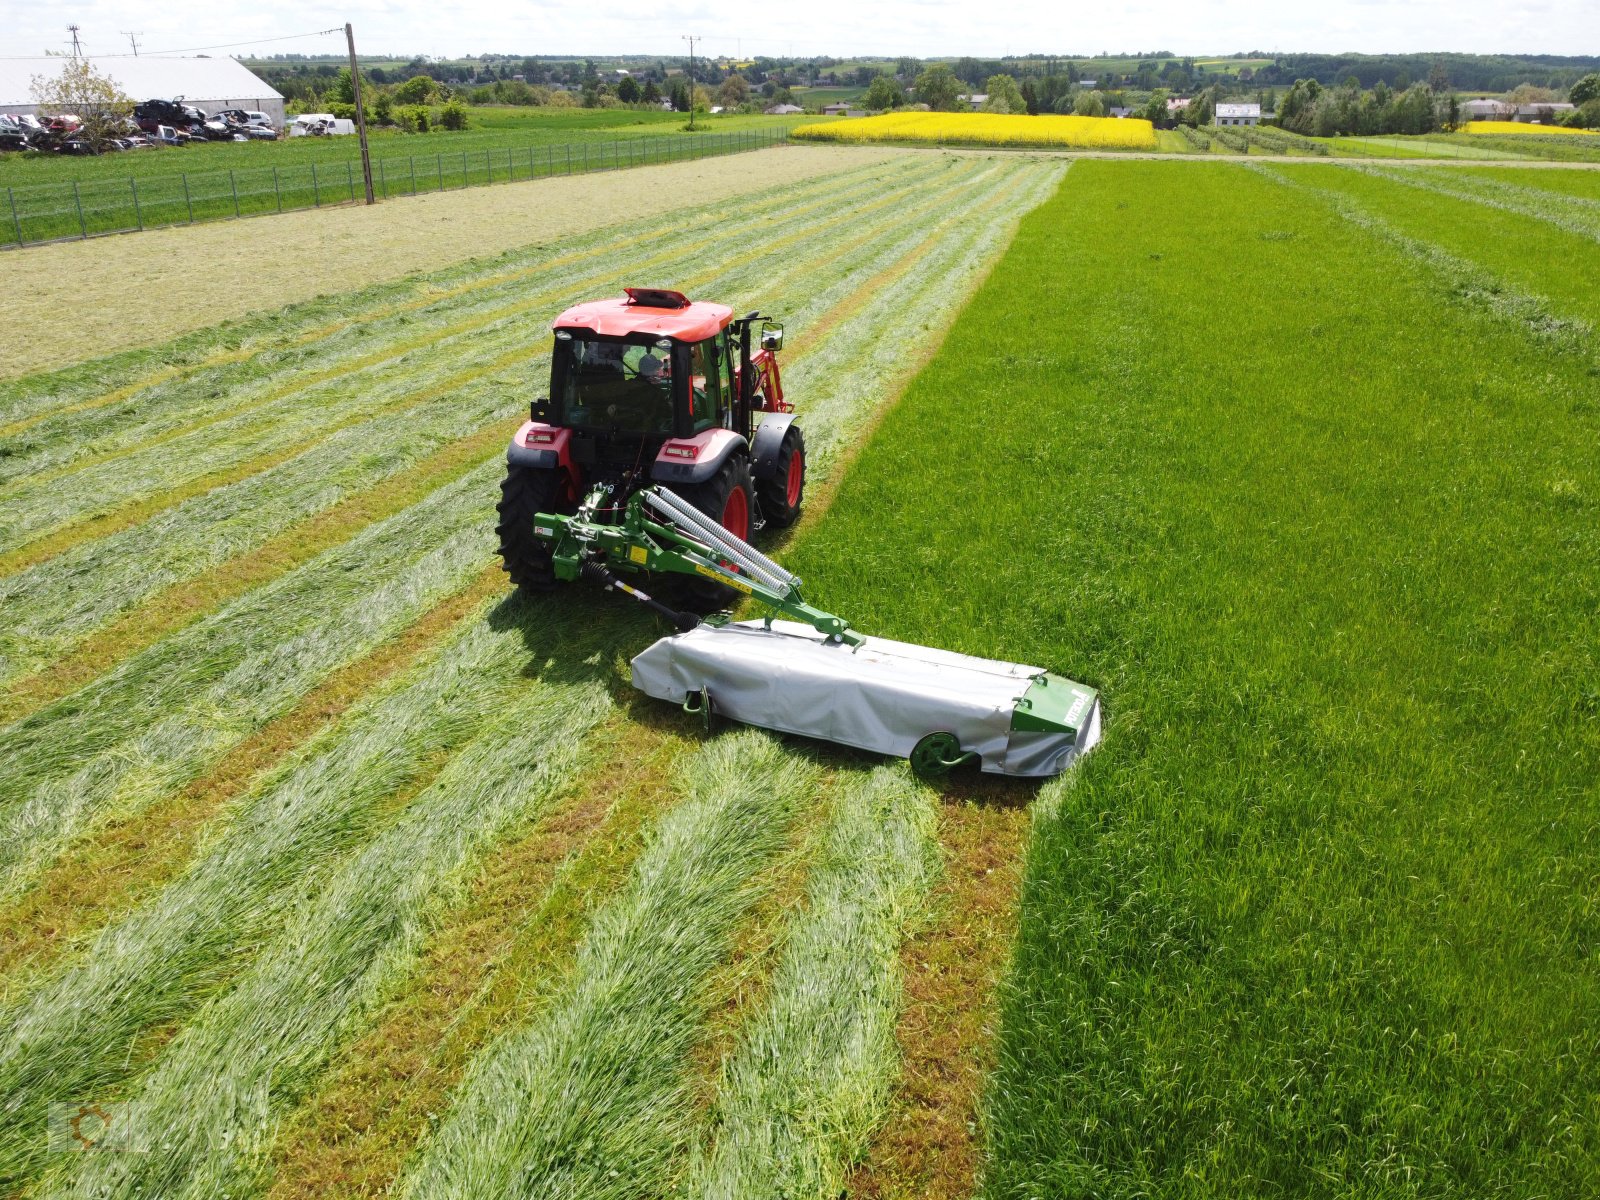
(361, 115)
(691, 39)
(77, 50)
(133, 40)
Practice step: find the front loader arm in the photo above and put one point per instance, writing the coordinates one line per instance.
(682, 542)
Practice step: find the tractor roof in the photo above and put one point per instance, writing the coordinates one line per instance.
(648, 310)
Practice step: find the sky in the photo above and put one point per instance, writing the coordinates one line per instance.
(842, 28)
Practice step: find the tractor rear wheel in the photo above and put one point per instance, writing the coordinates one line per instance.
(728, 499)
(525, 492)
(783, 494)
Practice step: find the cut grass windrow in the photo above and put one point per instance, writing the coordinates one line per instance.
(495, 963)
(274, 378)
(254, 1050)
(276, 338)
(591, 1100)
(151, 578)
(49, 515)
(1513, 249)
(120, 744)
(811, 1075)
(289, 832)
(132, 859)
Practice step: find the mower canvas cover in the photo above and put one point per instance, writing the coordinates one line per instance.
(882, 696)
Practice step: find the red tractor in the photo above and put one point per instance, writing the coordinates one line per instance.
(653, 389)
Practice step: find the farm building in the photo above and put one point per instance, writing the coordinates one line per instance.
(975, 101)
(206, 83)
(1542, 114)
(1238, 114)
(784, 110)
(1485, 109)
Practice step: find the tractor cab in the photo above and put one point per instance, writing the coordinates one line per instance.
(654, 388)
(640, 369)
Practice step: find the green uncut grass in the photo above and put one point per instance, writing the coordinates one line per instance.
(1509, 233)
(1319, 917)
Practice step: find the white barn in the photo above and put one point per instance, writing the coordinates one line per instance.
(1238, 114)
(206, 83)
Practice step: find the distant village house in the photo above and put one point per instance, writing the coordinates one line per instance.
(1238, 114)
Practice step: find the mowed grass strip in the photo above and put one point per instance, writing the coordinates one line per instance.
(278, 378)
(256, 1048)
(929, 1147)
(54, 609)
(1571, 213)
(1454, 279)
(592, 1098)
(131, 860)
(816, 1060)
(279, 849)
(1585, 185)
(50, 515)
(251, 565)
(1316, 917)
(122, 743)
(495, 963)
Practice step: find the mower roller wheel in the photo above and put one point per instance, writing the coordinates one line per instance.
(523, 493)
(727, 499)
(936, 755)
(783, 495)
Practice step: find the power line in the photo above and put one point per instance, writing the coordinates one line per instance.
(133, 39)
(229, 45)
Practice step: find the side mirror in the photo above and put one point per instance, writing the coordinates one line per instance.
(772, 337)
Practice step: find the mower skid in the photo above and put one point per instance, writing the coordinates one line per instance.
(881, 696)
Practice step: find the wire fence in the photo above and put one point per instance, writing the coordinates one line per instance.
(51, 212)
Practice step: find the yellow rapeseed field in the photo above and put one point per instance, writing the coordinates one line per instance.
(1517, 127)
(989, 129)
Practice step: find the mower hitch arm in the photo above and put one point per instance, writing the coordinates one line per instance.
(582, 548)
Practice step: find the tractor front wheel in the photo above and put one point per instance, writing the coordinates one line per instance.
(728, 499)
(783, 494)
(525, 492)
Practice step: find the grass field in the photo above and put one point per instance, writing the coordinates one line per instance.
(330, 870)
(1319, 918)
(268, 746)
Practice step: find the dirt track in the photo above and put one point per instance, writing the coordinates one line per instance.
(195, 275)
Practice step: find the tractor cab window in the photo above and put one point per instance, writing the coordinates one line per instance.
(615, 385)
(706, 383)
